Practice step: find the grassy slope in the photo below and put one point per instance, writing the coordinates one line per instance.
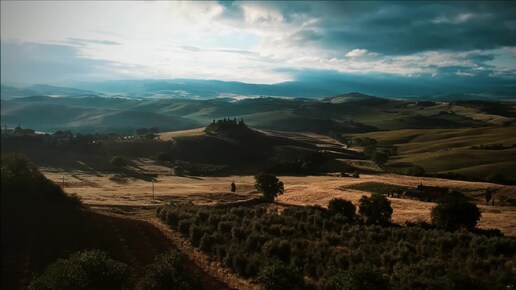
(444, 150)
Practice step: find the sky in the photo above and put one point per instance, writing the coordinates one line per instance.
(433, 43)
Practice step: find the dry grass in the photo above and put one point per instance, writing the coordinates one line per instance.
(172, 134)
(100, 190)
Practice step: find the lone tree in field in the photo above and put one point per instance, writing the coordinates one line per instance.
(233, 187)
(455, 213)
(375, 209)
(343, 207)
(269, 185)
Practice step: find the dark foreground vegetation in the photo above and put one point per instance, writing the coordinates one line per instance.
(316, 248)
(50, 241)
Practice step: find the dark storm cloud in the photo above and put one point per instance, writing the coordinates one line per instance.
(399, 28)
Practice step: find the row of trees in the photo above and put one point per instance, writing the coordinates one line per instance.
(335, 246)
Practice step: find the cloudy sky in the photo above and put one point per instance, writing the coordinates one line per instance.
(260, 42)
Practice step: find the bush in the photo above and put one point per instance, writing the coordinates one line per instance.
(83, 270)
(455, 213)
(357, 279)
(280, 277)
(416, 171)
(118, 161)
(163, 157)
(343, 207)
(375, 209)
(178, 171)
(168, 272)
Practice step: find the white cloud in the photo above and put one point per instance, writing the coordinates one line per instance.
(162, 39)
(357, 52)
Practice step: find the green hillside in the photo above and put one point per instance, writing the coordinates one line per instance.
(349, 113)
(470, 151)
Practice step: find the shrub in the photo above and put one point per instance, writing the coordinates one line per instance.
(184, 227)
(168, 272)
(163, 156)
(280, 277)
(455, 213)
(375, 209)
(416, 171)
(178, 171)
(343, 207)
(118, 161)
(83, 270)
(357, 279)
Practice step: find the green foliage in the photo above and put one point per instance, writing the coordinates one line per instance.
(168, 272)
(269, 185)
(279, 277)
(357, 279)
(178, 171)
(23, 184)
(118, 161)
(83, 270)
(416, 171)
(342, 207)
(319, 245)
(375, 209)
(454, 213)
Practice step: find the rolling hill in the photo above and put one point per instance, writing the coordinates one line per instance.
(467, 151)
(349, 113)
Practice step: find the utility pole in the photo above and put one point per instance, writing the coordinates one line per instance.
(153, 189)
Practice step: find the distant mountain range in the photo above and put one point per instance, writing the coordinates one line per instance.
(208, 89)
(83, 110)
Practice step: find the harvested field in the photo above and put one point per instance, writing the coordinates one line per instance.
(299, 190)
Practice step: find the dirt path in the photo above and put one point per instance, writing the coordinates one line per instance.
(214, 275)
(152, 232)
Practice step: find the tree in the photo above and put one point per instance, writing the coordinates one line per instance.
(280, 277)
(357, 279)
(455, 213)
(233, 187)
(168, 272)
(269, 185)
(343, 207)
(83, 270)
(375, 209)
